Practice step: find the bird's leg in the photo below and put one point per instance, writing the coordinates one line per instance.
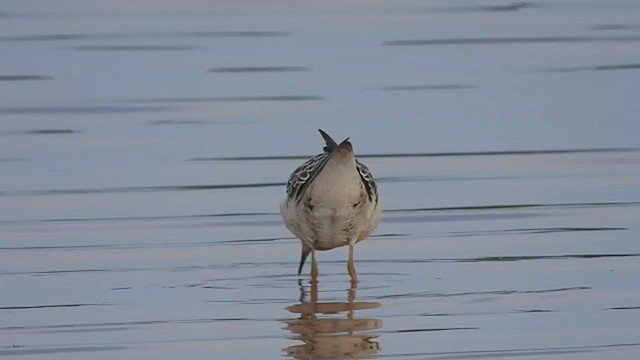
(351, 267)
(314, 267)
(352, 299)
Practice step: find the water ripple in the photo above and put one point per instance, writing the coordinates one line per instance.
(500, 258)
(139, 189)
(624, 308)
(146, 35)
(258, 69)
(291, 264)
(58, 350)
(68, 110)
(135, 48)
(24, 77)
(23, 307)
(229, 99)
(432, 154)
(512, 7)
(41, 132)
(432, 294)
(120, 324)
(425, 87)
(474, 208)
(511, 40)
(634, 66)
(427, 330)
(500, 353)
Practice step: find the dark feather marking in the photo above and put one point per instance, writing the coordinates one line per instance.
(313, 173)
(304, 174)
(367, 180)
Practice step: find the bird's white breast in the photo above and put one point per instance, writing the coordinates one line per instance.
(337, 186)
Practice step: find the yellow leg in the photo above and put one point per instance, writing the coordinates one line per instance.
(351, 267)
(314, 267)
(352, 299)
(314, 295)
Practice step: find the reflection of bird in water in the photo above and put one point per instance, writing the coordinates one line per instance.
(331, 338)
(332, 201)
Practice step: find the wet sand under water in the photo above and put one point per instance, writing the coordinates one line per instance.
(143, 163)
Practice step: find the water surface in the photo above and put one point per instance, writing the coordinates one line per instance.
(145, 147)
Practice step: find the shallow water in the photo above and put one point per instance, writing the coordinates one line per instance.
(145, 148)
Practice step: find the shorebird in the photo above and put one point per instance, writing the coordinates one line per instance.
(332, 201)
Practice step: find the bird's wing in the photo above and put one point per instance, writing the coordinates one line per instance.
(367, 180)
(304, 175)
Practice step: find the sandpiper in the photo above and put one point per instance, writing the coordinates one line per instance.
(332, 201)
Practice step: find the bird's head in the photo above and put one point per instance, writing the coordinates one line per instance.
(342, 152)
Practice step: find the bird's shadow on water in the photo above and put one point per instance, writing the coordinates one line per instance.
(330, 330)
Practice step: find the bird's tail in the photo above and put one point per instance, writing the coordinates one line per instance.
(330, 143)
(303, 258)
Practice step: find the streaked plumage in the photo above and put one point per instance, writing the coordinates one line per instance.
(332, 201)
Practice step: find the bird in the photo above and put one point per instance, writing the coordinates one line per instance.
(331, 201)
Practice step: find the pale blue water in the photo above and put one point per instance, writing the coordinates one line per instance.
(144, 148)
